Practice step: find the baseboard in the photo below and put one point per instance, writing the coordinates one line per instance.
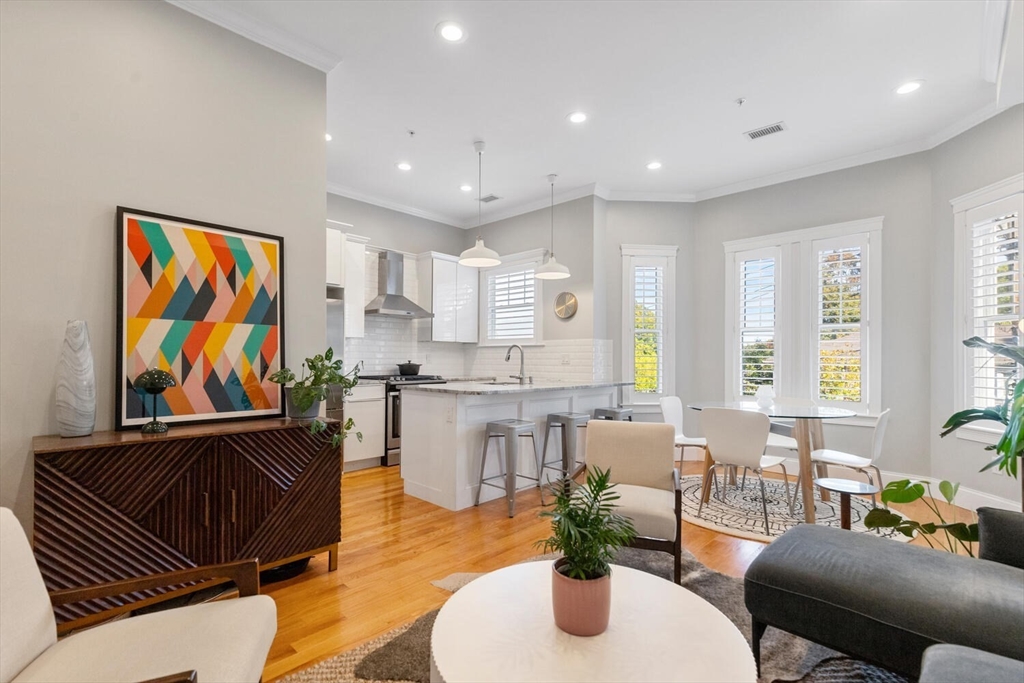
(965, 497)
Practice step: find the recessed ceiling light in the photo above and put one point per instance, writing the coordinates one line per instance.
(909, 87)
(403, 166)
(466, 188)
(327, 137)
(450, 31)
(577, 117)
(654, 166)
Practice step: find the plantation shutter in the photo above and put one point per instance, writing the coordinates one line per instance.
(757, 319)
(841, 318)
(993, 269)
(511, 304)
(648, 328)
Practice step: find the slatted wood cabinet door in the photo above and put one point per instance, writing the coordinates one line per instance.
(116, 505)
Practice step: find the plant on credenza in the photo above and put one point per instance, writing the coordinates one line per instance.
(305, 395)
(586, 529)
(1010, 447)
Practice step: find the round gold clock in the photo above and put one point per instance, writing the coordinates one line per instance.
(566, 305)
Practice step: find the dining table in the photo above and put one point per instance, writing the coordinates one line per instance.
(807, 430)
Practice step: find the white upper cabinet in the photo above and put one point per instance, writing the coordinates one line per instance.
(346, 267)
(335, 257)
(451, 293)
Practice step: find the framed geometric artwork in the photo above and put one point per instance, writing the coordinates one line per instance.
(205, 303)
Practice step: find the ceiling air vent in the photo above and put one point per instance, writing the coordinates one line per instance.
(767, 130)
(490, 198)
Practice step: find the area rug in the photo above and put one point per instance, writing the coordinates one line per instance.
(739, 512)
(404, 653)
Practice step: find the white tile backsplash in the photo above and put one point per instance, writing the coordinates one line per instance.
(390, 341)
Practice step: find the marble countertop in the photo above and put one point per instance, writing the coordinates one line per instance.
(513, 387)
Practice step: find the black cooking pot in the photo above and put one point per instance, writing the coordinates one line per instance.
(409, 368)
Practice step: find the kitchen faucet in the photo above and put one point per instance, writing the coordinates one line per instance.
(522, 363)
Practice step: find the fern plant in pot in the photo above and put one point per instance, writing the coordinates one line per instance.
(586, 529)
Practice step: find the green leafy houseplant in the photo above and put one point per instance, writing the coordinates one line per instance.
(1010, 447)
(585, 527)
(319, 373)
(954, 534)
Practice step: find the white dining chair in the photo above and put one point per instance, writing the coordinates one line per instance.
(827, 456)
(672, 413)
(738, 438)
(785, 441)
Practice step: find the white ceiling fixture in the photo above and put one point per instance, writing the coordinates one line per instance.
(654, 166)
(450, 31)
(577, 117)
(479, 256)
(466, 188)
(327, 137)
(909, 87)
(552, 269)
(404, 166)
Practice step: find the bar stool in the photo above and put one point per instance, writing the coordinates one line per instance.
(618, 414)
(567, 423)
(510, 431)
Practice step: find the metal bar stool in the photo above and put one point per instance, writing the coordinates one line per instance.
(618, 414)
(567, 423)
(510, 431)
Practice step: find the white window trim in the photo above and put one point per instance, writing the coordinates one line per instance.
(629, 398)
(796, 306)
(734, 374)
(532, 257)
(963, 326)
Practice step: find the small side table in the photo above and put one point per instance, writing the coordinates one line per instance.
(846, 487)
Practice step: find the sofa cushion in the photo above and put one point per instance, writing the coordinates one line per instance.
(225, 641)
(653, 511)
(1001, 536)
(882, 600)
(955, 664)
(27, 626)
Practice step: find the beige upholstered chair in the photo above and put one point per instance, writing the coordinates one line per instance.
(641, 457)
(218, 642)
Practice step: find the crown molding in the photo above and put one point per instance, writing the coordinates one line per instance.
(268, 35)
(342, 191)
(629, 196)
(993, 46)
(592, 189)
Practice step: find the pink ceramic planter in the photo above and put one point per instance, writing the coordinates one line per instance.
(581, 607)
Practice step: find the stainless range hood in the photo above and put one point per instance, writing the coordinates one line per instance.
(390, 284)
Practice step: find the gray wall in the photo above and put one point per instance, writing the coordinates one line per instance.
(395, 230)
(983, 155)
(900, 190)
(574, 246)
(143, 105)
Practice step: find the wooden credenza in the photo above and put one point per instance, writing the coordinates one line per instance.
(115, 505)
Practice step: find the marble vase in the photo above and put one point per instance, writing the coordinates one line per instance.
(76, 383)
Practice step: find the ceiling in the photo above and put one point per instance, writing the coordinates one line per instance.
(658, 80)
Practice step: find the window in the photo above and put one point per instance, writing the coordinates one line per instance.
(799, 315)
(648, 293)
(511, 303)
(987, 225)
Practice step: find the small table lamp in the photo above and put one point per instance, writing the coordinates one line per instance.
(154, 382)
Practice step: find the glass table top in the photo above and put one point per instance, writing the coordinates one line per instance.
(780, 410)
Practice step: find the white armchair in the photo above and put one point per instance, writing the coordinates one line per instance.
(222, 641)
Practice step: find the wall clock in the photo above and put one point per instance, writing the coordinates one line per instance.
(566, 305)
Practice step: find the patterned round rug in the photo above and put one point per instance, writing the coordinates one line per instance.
(738, 512)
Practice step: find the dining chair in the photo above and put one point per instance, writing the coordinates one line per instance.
(781, 435)
(738, 438)
(672, 413)
(827, 456)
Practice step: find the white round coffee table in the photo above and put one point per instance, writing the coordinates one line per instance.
(500, 628)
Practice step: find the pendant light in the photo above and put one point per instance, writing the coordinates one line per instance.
(479, 256)
(552, 269)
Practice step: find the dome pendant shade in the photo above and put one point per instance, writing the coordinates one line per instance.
(479, 256)
(551, 270)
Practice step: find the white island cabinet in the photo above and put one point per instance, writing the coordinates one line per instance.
(443, 428)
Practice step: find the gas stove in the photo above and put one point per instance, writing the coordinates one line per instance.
(404, 380)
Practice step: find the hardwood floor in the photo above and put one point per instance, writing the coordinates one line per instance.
(394, 545)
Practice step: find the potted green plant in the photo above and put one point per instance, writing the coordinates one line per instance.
(320, 375)
(586, 530)
(1010, 447)
(953, 535)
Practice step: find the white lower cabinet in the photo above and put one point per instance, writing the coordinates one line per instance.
(451, 292)
(366, 408)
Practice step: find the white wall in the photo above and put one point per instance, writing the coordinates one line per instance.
(143, 105)
(394, 230)
(983, 155)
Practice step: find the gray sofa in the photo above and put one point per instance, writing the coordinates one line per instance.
(887, 602)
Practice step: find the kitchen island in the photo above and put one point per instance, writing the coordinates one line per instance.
(443, 428)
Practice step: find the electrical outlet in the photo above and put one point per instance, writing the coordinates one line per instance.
(565, 359)
(449, 415)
